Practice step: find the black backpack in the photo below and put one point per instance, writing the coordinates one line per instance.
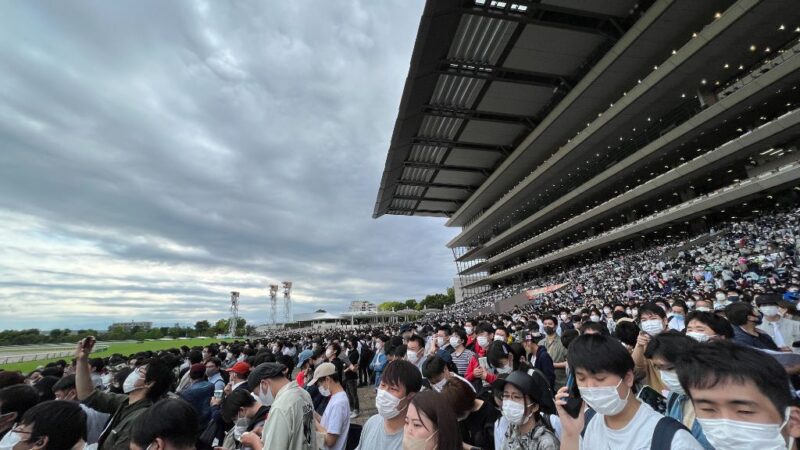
(662, 435)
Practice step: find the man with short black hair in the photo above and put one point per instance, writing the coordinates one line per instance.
(15, 400)
(741, 396)
(52, 425)
(65, 389)
(400, 382)
(415, 351)
(170, 424)
(616, 419)
(213, 367)
(145, 385)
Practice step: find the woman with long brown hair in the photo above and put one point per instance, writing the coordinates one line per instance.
(430, 424)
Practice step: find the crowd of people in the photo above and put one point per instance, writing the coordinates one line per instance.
(669, 347)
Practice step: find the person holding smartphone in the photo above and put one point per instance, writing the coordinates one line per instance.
(615, 418)
(146, 384)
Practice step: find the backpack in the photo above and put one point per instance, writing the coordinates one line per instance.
(662, 435)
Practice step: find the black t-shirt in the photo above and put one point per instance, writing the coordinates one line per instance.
(478, 428)
(353, 358)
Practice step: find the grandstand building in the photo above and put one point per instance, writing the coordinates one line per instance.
(553, 132)
(362, 306)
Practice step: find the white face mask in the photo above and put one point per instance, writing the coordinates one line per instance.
(634, 312)
(506, 369)
(468, 330)
(605, 399)
(440, 341)
(329, 353)
(324, 391)
(483, 341)
(454, 341)
(130, 382)
(440, 385)
(769, 310)
(697, 336)
(726, 433)
(387, 404)
(670, 380)
(265, 399)
(500, 338)
(594, 318)
(703, 309)
(240, 428)
(412, 356)
(720, 296)
(10, 440)
(690, 303)
(514, 412)
(653, 326)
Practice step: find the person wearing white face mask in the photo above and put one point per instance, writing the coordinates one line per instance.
(652, 321)
(143, 387)
(384, 431)
(742, 397)
(334, 424)
(15, 400)
(380, 358)
(461, 357)
(665, 351)
(783, 331)
(704, 326)
(247, 414)
(415, 353)
(290, 424)
(525, 400)
(616, 418)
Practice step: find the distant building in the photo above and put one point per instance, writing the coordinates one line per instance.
(129, 326)
(362, 306)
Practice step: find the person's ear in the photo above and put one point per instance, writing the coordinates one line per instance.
(6, 420)
(629, 379)
(40, 443)
(793, 425)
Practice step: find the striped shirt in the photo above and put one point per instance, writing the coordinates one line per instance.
(462, 361)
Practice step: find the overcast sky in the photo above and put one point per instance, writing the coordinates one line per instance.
(157, 155)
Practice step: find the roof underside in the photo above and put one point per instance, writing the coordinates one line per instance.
(483, 74)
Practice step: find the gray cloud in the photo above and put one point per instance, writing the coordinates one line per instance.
(247, 136)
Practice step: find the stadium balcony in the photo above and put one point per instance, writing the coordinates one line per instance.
(782, 132)
(739, 111)
(695, 65)
(784, 177)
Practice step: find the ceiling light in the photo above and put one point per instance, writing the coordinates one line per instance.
(726, 66)
(752, 47)
(717, 15)
(782, 27)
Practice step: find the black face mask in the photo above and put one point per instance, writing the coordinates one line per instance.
(549, 331)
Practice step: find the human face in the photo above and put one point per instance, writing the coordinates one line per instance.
(741, 401)
(414, 346)
(420, 426)
(68, 395)
(678, 310)
(501, 335)
(25, 435)
(586, 379)
(695, 326)
(396, 390)
(703, 304)
(549, 323)
(211, 369)
(662, 364)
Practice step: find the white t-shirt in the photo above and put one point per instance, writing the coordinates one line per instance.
(634, 436)
(336, 419)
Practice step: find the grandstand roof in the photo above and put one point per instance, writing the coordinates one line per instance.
(483, 74)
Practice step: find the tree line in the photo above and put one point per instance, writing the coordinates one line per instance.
(119, 333)
(437, 301)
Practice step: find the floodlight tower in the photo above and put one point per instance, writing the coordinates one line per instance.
(273, 301)
(234, 320)
(287, 300)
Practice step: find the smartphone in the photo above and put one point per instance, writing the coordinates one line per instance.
(482, 362)
(574, 404)
(653, 398)
(88, 344)
(218, 393)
